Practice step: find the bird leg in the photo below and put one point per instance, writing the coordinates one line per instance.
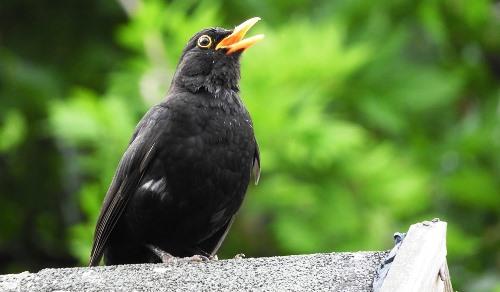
(164, 256)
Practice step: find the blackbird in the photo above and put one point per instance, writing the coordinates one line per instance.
(187, 167)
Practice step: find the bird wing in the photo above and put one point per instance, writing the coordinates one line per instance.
(131, 168)
(256, 163)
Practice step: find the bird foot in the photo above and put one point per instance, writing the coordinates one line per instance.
(196, 258)
(239, 256)
(213, 257)
(167, 258)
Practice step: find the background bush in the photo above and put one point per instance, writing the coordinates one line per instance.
(370, 115)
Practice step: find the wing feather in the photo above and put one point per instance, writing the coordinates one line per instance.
(130, 171)
(256, 163)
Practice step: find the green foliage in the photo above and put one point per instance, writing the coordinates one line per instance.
(13, 131)
(369, 115)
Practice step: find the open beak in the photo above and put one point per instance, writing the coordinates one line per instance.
(235, 42)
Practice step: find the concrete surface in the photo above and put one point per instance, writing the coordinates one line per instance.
(317, 272)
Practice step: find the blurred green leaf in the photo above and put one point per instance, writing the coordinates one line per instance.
(12, 130)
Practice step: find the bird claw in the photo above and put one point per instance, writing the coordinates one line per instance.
(239, 256)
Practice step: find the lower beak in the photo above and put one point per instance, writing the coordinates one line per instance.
(235, 42)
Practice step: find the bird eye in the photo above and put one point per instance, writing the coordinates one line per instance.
(204, 41)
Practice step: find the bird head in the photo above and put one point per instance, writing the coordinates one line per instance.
(210, 60)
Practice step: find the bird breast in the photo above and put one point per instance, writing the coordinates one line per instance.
(212, 149)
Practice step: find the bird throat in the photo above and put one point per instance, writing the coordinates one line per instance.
(221, 81)
(222, 86)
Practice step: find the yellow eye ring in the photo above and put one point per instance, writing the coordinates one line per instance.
(204, 41)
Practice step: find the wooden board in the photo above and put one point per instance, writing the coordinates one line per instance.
(419, 260)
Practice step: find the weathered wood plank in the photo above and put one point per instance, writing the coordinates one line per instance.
(419, 259)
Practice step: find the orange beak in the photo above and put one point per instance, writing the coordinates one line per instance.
(235, 42)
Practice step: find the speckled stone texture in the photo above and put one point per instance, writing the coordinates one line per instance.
(317, 272)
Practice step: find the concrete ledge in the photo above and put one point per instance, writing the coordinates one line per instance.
(316, 272)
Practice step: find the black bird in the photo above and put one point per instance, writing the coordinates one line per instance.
(184, 175)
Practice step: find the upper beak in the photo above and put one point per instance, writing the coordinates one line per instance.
(235, 42)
